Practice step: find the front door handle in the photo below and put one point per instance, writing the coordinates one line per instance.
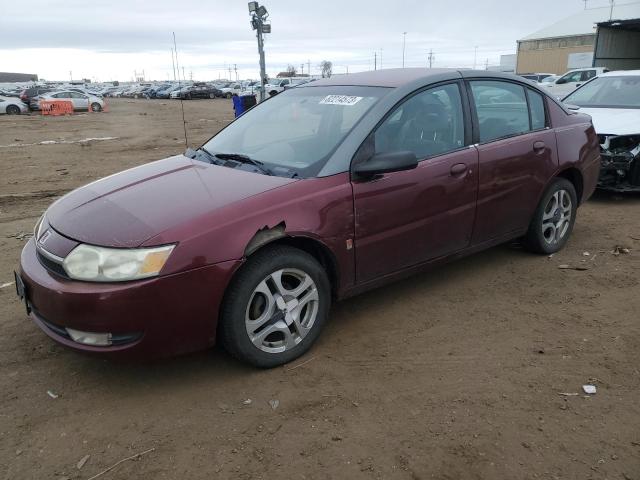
(539, 146)
(458, 169)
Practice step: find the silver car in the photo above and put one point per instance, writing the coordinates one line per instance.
(12, 106)
(80, 101)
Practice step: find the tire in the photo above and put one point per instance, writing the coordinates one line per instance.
(257, 325)
(212, 95)
(189, 97)
(96, 107)
(136, 96)
(13, 110)
(228, 95)
(553, 220)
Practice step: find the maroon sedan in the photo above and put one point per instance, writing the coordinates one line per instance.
(319, 193)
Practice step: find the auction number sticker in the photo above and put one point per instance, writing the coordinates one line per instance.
(347, 100)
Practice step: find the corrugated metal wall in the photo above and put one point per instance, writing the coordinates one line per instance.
(617, 48)
(547, 60)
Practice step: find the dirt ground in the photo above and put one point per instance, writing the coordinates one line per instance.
(454, 374)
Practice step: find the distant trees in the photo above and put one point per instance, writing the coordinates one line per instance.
(326, 66)
(291, 70)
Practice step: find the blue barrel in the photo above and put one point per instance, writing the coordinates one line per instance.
(242, 103)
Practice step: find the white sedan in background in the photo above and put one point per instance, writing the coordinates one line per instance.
(12, 106)
(80, 101)
(613, 101)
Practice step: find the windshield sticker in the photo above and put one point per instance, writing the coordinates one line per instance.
(340, 100)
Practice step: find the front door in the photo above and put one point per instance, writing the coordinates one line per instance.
(406, 218)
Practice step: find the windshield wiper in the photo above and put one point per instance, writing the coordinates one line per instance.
(238, 157)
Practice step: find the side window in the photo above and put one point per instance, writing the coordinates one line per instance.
(588, 75)
(536, 105)
(501, 108)
(573, 77)
(429, 123)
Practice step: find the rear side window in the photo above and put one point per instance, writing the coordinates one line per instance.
(588, 75)
(501, 108)
(536, 104)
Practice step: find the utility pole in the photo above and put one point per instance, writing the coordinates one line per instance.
(585, 3)
(612, 2)
(309, 67)
(486, 64)
(404, 44)
(70, 76)
(375, 60)
(475, 57)
(235, 68)
(381, 58)
(173, 64)
(431, 58)
(302, 68)
(183, 75)
(259, 16)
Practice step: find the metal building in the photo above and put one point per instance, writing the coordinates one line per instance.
(569, 43)
(618, 45)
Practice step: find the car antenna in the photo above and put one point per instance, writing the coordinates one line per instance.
(184, 123)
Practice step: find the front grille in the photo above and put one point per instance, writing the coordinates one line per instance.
(51, 265)
(116, 339)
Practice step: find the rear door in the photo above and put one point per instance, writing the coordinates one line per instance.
(517, 156)
(406, 218)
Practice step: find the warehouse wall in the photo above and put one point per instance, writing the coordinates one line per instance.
(617, 49)
(551, 55)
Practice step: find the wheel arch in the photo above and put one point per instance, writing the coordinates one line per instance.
(574, 175)
(277, 235)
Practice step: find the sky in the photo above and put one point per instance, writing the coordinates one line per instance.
(112, 40)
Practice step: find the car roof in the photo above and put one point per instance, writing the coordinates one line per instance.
(621, 73)
(399, 77)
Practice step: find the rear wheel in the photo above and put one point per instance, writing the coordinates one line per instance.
(212, 95)
(228, 95)
(96, 107)
(13, 110)
(275, 307)
(553, 219)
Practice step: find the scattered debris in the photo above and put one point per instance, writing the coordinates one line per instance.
(21, 235)
(570, 267)
(568, 394)
(274, 404)
(132, 457)
(618, 249)
(586, 254)
(5, 285)
(589, 389)
(59, 142)
(336, 438)
(52, 395)
(82, 461)
(247, 402)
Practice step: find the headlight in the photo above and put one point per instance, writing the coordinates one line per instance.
(99, 264)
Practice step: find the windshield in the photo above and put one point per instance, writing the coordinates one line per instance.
(611, 92)
(299, 129)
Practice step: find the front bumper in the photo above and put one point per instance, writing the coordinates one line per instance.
(157, 317)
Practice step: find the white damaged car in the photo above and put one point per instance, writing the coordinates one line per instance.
(613, 101)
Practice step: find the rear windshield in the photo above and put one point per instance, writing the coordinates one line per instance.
(611, 92)
(297, 129)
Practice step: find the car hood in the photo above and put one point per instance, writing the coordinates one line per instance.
(127, 208)
(614, 121)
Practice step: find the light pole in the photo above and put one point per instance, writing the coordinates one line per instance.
(404, 44)
(475, 57)
(259, 17)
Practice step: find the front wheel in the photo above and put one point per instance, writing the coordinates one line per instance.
(553, 220)
(13, 110)
(275, 307)
(228, 95)
(96, 107)
(212, 95)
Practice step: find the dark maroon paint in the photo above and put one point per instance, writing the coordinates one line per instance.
(399, 224)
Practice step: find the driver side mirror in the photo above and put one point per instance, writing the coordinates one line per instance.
(560, 81)
(386, 163)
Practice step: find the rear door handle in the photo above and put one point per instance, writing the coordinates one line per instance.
(539, 146)
(458, 169)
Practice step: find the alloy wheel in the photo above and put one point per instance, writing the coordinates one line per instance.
(556, 218)
(282, 310)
